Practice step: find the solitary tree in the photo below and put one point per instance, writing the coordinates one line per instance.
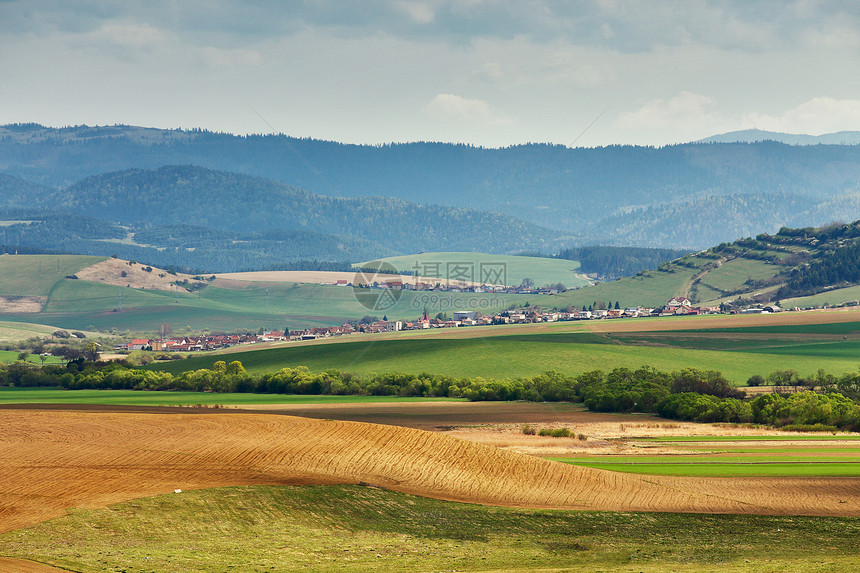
(91, 351)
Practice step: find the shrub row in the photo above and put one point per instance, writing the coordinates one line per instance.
(688, 394)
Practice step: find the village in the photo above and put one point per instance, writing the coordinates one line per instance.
(677, 306)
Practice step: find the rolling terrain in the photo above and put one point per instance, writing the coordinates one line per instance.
(737, 346)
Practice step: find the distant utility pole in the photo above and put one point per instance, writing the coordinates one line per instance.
(119, 306)
(267, 301)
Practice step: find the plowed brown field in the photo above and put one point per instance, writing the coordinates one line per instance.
(53, 460)
(8, 565)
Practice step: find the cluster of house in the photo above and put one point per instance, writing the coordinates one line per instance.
(189, 343)
(675, 307)
(449, 286)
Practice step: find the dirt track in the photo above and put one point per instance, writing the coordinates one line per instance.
(54, 460)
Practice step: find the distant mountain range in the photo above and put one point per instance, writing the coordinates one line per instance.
(756, 135)
(527, 197)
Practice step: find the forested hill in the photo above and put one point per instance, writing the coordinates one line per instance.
(616, 195)
(242, 203)
(231, 221)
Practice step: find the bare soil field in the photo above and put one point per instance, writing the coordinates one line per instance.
(111, 272)
(500, 424)
(22, 304)
(9, 565)
(55, 459)
(445, 416)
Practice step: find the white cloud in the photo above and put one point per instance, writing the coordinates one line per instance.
(418, 12)
(126, 37)
(454, 108)
(815, 117)
(687, 110)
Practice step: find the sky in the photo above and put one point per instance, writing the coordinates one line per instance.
(489, 73)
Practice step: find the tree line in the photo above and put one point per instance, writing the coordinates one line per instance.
(833, 402)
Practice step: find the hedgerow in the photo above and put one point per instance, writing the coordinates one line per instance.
(688, 394)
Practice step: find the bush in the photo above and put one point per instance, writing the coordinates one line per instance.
(756, 380)
(529, 430)
(555, 432)
(809, 428)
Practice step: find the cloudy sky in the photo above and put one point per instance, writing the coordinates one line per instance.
(483, 72)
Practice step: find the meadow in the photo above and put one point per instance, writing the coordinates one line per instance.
(8, 356)
(799, 455)
(724, 465)
(497, 352)
(734, 273)
(86, 305)
(36, 275)
(14, 331)
(206, 399)
(235, 306)
(353, 528)
(541, 270)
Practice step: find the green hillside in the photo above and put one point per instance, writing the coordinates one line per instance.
(481, 268)
(521, 352)
(801, 267)
(86, 305)
(793, 265)
(37, 275)
(14, 331)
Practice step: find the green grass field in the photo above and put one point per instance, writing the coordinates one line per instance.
(352, 528)
(8, 356)
(542, 271)
(722, 466)
(800, 455)
(135, 398)
(788, 438)
(84, 305)
(528, 354)
(829, 298)
(14, 331)
(36, 275)
(732, 274)
(652, 290)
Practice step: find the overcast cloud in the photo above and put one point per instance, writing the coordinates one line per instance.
(485, 72)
